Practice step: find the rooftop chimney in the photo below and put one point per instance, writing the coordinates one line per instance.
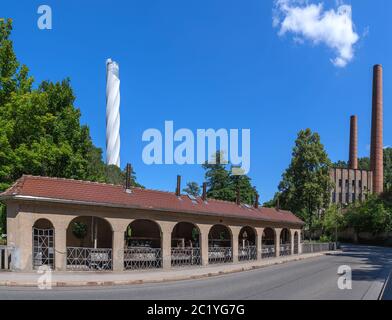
(376, 149)
(257, 200)
(178, 189)
(204, 195)
(277, 204)
(238, 197)
(353, 156)
(128, 177)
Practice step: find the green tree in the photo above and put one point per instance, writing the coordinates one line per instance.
(192, 188)
(332, 221)
(305, 187)
(79, 230)
(40, 130)
(388, 169)
(369, 216)
(223, 185)
(218, 179)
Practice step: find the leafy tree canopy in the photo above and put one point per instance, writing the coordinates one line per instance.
(40, 130)
(305, 187)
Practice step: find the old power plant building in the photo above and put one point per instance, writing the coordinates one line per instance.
(353, 184)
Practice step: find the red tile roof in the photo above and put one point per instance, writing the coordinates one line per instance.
(113, 195)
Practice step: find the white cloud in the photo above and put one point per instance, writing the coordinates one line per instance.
(307, 21)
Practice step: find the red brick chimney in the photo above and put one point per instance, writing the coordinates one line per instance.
(376, 148)
(204, 194)
(353, 156)
(178, 188)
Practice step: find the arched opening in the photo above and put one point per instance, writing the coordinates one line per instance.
(89, 244)
(142, 245)
(220, 248)
(43, 244)
(247, 244)
(285, 242)
(268, 243)
(296, 242)
(185, 245)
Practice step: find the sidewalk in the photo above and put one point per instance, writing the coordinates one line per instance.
(74, 279)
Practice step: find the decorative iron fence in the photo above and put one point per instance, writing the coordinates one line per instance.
(185, 257)
(285, 250)
(43, 247)
(7, 255)
(220, 254)
(142, 258)
(310, 247)
(247, 253)
(89, 259)
(268, 251)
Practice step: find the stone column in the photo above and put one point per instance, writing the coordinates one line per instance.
(119, 227)
(235, 231)
(299, 241)
(60, 245)
(292, 233)
(118, 250)
(25, 241)
(166, 229)
(277, 241)
(204, 231)
(259, 244)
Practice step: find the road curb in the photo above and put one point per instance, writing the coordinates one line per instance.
(168, 277)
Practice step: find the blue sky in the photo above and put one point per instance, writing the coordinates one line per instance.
(214, 64)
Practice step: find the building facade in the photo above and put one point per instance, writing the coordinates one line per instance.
(353, 184)
(85, 226)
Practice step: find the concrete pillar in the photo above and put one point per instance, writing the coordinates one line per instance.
(60, 245)
(235, 231)
(119, 227)
(277, 241)
(166, 230)
(292, 233)
(299, 241)
(118, 250)
(204, 231)
(25, 241)
(259, 244)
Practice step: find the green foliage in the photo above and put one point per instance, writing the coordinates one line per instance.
(332, 220)
(306, 185)
(40, 130)
(79, 230)
(388, 169)
(192, 188)
(373, 216)
(222, 185)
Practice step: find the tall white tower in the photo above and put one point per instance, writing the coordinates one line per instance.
(112, 113)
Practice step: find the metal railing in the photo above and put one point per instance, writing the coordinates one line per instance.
(6, 257)
(311, 247)
(285, 250)
(89, 259)
(220, 254)
(268, 251)
(142, 258)
(185, 257)
(247, 253)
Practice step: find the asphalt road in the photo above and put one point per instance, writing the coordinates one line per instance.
(314, 278)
